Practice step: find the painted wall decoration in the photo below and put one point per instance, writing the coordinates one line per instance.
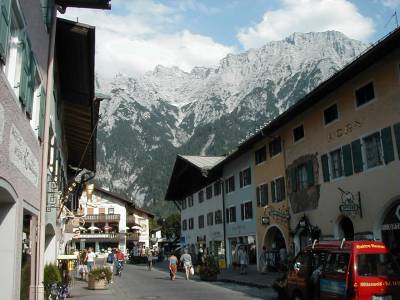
(22, 157)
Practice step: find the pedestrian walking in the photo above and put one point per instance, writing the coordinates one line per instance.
(111, 260)
(91, 260)
(173, 266)
(186, 261)
(263, 260)
(243, 260)
(149, 259)
(82, 264)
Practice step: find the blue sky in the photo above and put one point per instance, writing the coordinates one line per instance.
(136, 35)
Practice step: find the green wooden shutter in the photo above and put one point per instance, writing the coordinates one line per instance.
(325, 167)
(387, 143)
(273, 191)
(310, 173)
(347, 161)
(396, 128)
(24, 83)
(31, 86)
(357, 156)
(258, 196)
(293, 179)
(241, 179)
(4, 28)
(242, 212)
(265, 195)
(42, 112)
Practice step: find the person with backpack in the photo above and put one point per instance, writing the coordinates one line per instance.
(111, 260)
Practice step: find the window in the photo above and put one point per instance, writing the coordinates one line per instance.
(365, 94)
(217, 188)
(210, 219)
(337, 263)
(184, 204)
(262, 195)
(209, 192)
(246, 210)
(201, 196)
(111, 210)
(261, 155)
(190, 200)
(302, 183)
(302, 176)
(231, 214)
(184, 225)
(278, 189)
(245, 177)
(230, 184)
(336, 163)
(102, 211)
(331, 114)
(377, 264)
(191, 223)
(298, 133)
(373, 150)
(201, 221)
(275, 147)
(218, 217)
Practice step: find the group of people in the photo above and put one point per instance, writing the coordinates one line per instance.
(185, 260)
(87, 260)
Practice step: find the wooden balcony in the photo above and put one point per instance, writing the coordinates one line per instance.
(99, 236)
(102, 218)
(132, 236)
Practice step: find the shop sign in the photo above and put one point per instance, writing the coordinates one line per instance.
(349, 206)
(22, 157)
(280, 214)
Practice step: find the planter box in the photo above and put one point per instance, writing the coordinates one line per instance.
(97, 284)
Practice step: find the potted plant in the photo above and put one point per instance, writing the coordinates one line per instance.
(52, 275)
(99, 278)
(209, 270)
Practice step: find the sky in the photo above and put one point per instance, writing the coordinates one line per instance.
(137, 35)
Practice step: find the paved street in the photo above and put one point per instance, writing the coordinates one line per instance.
(139, 283)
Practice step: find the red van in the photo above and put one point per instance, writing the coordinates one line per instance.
(362, 270)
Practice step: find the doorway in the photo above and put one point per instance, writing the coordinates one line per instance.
(346, 229)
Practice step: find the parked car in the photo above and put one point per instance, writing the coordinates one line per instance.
(358, 270)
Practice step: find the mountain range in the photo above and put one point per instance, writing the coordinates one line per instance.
(207, 111)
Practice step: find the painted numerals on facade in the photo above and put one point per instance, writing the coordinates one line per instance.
(345, 130)
(22, 157)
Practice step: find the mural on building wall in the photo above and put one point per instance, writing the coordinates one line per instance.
(303, 187)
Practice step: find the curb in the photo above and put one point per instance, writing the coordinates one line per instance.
(251, 284)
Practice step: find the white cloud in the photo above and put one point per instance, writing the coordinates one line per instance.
(138, 35)
(307, 16)
(391, 3)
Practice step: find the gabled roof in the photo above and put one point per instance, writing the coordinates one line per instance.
(123, 199)
(203, 162)
(190, 174)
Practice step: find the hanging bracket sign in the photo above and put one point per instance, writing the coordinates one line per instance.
(349, 205)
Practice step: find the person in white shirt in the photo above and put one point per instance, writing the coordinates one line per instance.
(91, 257)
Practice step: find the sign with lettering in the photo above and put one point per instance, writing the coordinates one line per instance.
(22, 157)
(349, 207)
(280, 214)
(392, 220)
(347, 129)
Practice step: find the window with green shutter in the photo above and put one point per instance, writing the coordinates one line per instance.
(325, 167)
(310, 173)
(5, 6)
(387, 143)
(42, 112)
(293, 179)
(396, 128)
(31, 86)
(273, 191)
(347, 160)
(357, 156)
(25, 86)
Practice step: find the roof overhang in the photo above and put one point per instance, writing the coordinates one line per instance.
(96, 4)
(75, 51)
(187, 178)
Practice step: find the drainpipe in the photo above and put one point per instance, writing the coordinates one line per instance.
(45, 146)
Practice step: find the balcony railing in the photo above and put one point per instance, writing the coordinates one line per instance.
(99, 236)
(102, 218)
